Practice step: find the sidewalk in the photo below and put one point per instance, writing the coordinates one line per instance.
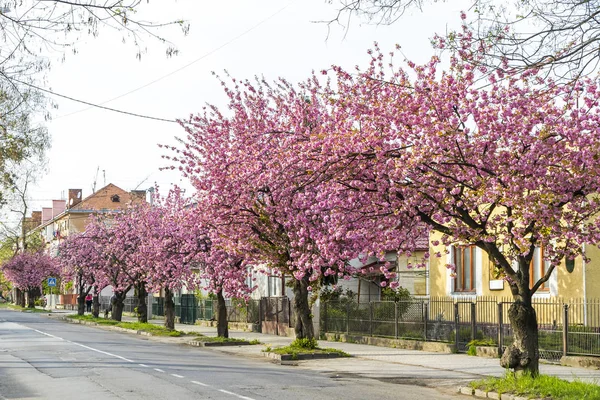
(388, 364)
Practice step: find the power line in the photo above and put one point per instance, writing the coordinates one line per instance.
(211, 52)
(92, 104)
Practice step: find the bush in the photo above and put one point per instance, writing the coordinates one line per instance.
(305, 343)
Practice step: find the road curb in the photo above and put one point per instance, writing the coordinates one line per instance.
(469, 391)
(198, 343)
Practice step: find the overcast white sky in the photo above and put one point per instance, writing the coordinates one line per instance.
(289, 44)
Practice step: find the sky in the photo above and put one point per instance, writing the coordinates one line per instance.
(270, 38)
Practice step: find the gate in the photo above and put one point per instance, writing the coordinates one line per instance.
(275, 315)
(465, 329)
(188, 309)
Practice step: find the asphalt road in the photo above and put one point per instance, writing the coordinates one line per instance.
(42, 358)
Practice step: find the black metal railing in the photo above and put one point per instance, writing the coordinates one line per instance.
(565, 327)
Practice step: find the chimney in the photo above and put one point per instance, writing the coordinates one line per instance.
(36, 218)
(58, 206)
(46, 214)
(74, 197)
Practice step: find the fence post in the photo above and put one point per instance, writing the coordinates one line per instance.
(348, 318)
(500, 328)
(425, 314)
(260, 314)
(277, 315)
(456, 326)
(324, 317)
(473, 321)
(291, 323)
(371, 318)
(565, 330)
(396, 320)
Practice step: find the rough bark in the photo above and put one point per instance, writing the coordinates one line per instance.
(169, 310)
(96, 305)
(222, 329)
(303, 325)
(142, 308)
(20, 297)
(81, 303)
(31, 298)
(523, 354)
(118, 305)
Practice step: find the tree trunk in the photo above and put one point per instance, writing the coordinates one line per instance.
(118, 305)
(20, 297)
(169, 310)
(523, 354)
(142, 308)
(303, 325)
(222, 329)
(31, 298)
(96, 305)
(81, 303)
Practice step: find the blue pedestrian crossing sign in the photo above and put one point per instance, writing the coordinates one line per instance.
(51, 282)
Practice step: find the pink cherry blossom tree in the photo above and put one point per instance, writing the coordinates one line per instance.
(27, 271)
(111, 265)
(80, 260)
(172, 239)
(256, 187)
(223, 273)
(508, 164)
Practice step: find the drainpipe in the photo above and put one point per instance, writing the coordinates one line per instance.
(427, 277)
(584, 289)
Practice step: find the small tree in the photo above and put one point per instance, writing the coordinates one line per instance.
(27, 271)
(223, 274)
(80, 259)
(173, 239)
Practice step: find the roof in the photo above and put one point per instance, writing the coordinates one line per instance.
(103, 199)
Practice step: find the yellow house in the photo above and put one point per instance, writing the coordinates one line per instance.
(574, 282)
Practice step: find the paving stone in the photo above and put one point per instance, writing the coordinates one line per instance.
(480, 393)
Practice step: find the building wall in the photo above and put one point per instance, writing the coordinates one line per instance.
(563, 284)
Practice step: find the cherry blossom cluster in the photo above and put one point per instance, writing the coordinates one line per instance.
(27, 271)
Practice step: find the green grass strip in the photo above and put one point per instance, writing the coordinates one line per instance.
(543, 386)
(217, 339)
(155, 330)
(23, 309)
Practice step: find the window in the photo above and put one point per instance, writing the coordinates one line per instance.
(538, 268)
(115, 198)
(464, 261)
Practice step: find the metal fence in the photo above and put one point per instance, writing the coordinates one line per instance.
(565, 326)
(189, 309)
(130, 303)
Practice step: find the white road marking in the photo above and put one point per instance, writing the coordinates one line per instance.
(85, 347)
(143, 365)
(239, 396)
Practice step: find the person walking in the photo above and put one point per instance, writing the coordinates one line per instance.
(88, 302)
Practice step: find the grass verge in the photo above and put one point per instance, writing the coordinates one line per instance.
(155, 330)
(24, 309)
(216, 339)
(543, 386)
(304, 346)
